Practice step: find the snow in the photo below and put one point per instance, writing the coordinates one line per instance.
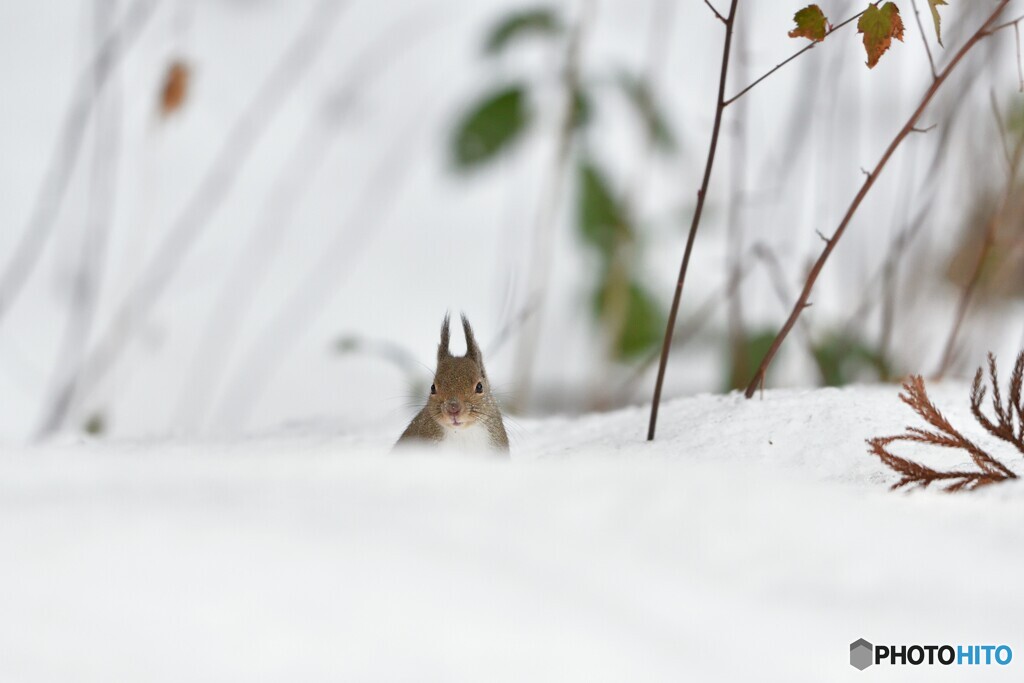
(751, 540)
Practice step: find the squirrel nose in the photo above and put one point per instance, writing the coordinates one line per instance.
(453, 407)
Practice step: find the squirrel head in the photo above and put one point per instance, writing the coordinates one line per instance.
(460, 395)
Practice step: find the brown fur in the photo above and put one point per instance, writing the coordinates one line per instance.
(455, 382)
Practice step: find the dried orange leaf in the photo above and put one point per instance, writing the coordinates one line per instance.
(811, 24)
(175, 88)
(879, 26)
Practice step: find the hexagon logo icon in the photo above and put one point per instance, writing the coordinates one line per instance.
(861, 654)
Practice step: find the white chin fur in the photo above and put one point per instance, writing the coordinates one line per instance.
(467, 439)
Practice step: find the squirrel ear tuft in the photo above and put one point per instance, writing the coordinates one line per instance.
(442, 348)
(472, 349)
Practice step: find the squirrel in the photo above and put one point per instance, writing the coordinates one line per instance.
(460, 411)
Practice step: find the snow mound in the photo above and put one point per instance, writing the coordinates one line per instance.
(752, 540)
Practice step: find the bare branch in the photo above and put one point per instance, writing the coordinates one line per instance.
(547, 209)
(219, 341)
(988, 243)
(1003, 139)
(778, 281)
(88, 277)
(701, 196)
(789, 59)
(717, 13)
(924, 40)
(90, 85)
(1008, 24)
(1020, 65)
(861, 194)
(208, 198)
(257, 365)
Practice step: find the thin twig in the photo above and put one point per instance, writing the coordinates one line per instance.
(924, 40)
(615, 308)
(696, 322)
(1020, 65)
(510, 328)
(547, 210)
(771, 263)
(91, 82)
(701, 197)
(88, 277)
(308, 299)
(1008, 24)
(1003, 138)
(367, 69)
(717, 13)
(890, 281)
(789, 59)
(988, 243)
(207, 199)
(861, 194)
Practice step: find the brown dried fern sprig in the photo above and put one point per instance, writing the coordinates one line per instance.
(945, 435)
(1003, 428)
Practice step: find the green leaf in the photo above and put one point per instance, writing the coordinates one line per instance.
(538, 21)
(933, 5)
(842, 361)
(600, 218)
(879, 26)
(95, 425)
(490, 126)
(644, 324)
(1015, 119)
(753, 347)
(638, 92)
(583, 110)
(811, 24)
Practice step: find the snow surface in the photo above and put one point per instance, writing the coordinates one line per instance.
(754, 540)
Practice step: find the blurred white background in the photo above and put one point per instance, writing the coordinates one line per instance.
(252, 256)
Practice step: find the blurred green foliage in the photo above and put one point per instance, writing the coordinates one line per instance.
(643, 322)
(1015, 122)
(840, 360)
(843, 360)
(95, 425)
(629, 312)
(600, 218)
(489, 126)
(752, 348)
(538, 21)
(638, 91)
(630, 316)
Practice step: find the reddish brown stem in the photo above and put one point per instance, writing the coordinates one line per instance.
(701, 196)
(789, 59)
(830, 244)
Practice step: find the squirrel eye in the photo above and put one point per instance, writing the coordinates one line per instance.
(479, 387)
(433, 389)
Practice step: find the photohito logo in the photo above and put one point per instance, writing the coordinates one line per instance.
(863, 654)
(860, 654)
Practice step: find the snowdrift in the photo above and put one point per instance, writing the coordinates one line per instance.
(754, 540)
